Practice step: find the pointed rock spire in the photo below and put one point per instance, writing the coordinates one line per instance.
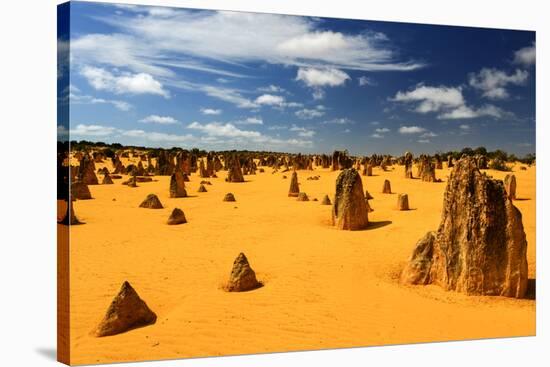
(127, 311)
(242, 277)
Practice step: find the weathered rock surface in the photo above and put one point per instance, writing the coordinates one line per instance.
(386, 189)
(127, 311)
(510, 186)
(177, 217)
(480, 245)
(229, 197)
(177, 185)
(402, 202)
(242, 277)
(151, 202)
(294, 189)
(349, 211)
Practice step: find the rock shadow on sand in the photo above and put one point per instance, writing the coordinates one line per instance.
(376, 225)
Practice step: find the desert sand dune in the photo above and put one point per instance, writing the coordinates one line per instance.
(322, 287)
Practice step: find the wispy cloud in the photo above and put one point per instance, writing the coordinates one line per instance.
(365, 81)
(526, 56)
(76, 98)
(493, 82)
(156, 119)
(411, 130)
(210, 111)
(310, 113)
(302, 131)
(338, 121)
(447, 102)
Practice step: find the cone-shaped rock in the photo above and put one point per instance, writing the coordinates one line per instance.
(177, 217)
(480, 246)
(86, 171)
(80, 191)
(202, 188)
(234, 173)
(294, 189)
(302, 196)
(177, 185)
(387, 187)
(127, 311)
(151, 202)
(510, 186)
(107, 179)
(402, 202)
(326, 200)
(242, 277)
(349, 210)
(229, 197)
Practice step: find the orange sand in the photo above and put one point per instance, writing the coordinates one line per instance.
(324, 288)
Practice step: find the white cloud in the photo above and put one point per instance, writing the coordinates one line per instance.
(347, 131)
(156, 119)
(318, 94)
(270, 100)
(223, 129)
(464, 127)
(493, 82)
(448, 102)
(271, 89)
(382, 130)
(158, 137)
(339, 121)
(465, 112)
(92, 130)
(375, 123)
(229, 95)
(326, 77)
(250, 121)
(278, 39)
(428, 134)
(210, 111)
(411, 130)
(431, 99)
(364, 81)
(277, 127)
(140, 83)
(76, 98)
(377, 136)
(302, 131)
(307, 113)
(229, 134)
(526, 56)
(424, 141)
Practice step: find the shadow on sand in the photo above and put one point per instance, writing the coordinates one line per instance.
(380, 224)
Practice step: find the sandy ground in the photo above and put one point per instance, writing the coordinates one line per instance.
(324, 288)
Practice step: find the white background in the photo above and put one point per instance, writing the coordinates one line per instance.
(27, 181)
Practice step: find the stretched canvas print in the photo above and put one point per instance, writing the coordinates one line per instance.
(234, 183)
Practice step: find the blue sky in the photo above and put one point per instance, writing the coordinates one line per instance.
(164, 77)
